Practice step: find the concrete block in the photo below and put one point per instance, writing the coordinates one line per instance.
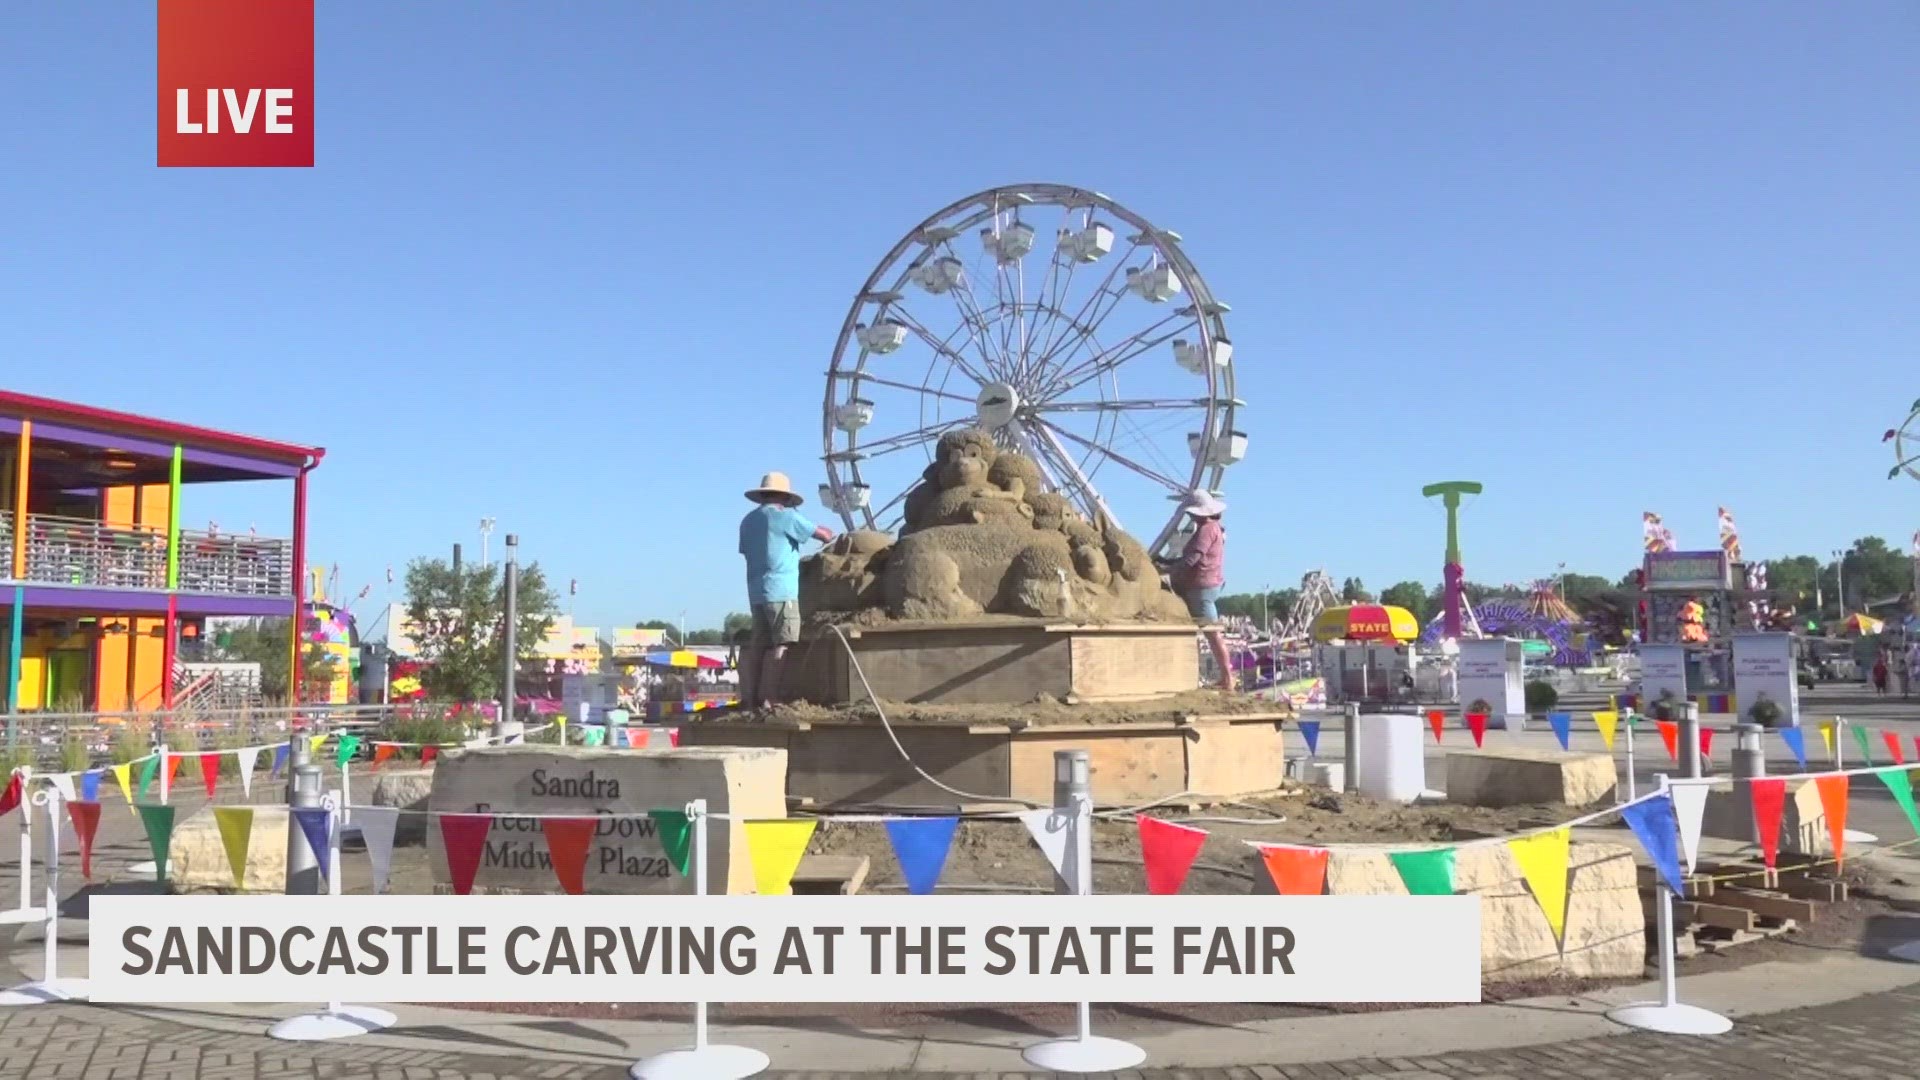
(198, 859)
(1605, 928)
(626, 856)
(1512, 777)
(404, 789)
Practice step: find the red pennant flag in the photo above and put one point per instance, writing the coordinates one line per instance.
(466, 839)
(1670, 734)
(1296, 871)
(381, 752)
(673, 737)
(10, 798)
(1916, 749)
(1893, 747)
(209, 772)
(1706, 742)
(1168, 850)
(86, 822)
(567, 842)
(1833, 800)
(1477, 723)
(428, 753)
(1436, 720)
(1769, 803)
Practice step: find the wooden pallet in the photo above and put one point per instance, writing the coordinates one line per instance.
(1758, 903)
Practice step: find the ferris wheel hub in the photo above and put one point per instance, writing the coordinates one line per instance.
(999, 403)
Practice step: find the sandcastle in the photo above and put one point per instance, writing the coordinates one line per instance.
(999, 626)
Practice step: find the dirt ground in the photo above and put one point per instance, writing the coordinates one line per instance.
(1044, 711)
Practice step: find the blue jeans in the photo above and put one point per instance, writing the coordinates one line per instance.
(1202, 603)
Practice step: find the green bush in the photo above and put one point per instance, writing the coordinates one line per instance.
(1764, 712)
(426, 728)
(130, 742)
(1481, 706)
(1541, 696)
(74, 756)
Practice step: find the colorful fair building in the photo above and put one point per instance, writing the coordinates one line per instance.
(100, 587)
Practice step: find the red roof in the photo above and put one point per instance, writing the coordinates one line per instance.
(87, 416)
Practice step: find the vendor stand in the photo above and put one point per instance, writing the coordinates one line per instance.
(1362, 653)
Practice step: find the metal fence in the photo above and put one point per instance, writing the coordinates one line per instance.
(46, 736)
(235, 565)
(75, 551)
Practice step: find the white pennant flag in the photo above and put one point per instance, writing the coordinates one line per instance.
(1050, 829)
(248, 756)
(376, 831)
(63, 782)
(1690, 807)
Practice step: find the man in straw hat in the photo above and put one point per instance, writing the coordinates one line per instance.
(1199, 573)
(771, 536)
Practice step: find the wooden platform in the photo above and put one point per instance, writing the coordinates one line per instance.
(1003, 662)
(852, 763)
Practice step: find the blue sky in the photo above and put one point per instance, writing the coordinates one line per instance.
(580, 266)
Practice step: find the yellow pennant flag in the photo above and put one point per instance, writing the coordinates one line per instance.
(1545, 860)
(236, 828)
(1608, 722)
(775, 848)
(313, 743)
(123, 774)
(1826, 736)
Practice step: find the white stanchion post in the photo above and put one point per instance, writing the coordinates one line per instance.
(50, 988)
(1085, 1052)
(338, 1021)
(703, 1060)
(1668, 1015)
(1632, 784)
(26, 912)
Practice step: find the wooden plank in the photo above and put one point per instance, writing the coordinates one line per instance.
(1770, 905)
(1693, 912)
(1803, 888)
(830, 875)
(1131, 666)
(1692, 886)
(1234, 760)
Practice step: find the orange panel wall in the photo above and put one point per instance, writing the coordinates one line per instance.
(131, 666)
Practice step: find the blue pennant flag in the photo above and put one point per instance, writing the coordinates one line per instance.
(921, 846)
(1654, 824)
(279, 759)
(1310, 731)
(313, 825)
(1562, 726)
(90, 785)
(1796, 741)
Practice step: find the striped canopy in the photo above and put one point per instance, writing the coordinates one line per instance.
(686, 658)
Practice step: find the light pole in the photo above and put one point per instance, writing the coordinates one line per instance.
(486, 530)
(1840, 581)
(1266, 624)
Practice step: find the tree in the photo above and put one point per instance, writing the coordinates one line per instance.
(1876, 573)
(1249, 605)
(1353, 591)
(460, 622)
(1578, 589)
(265, 642)
(1407, 594)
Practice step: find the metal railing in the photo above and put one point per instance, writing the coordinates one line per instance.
(6, 543)
(43, 735)
(235, 565)
(75, 551)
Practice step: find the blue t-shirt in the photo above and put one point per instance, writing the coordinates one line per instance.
(770, 538)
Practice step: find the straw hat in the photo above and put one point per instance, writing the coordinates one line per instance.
(775, 487)
(1203, 504)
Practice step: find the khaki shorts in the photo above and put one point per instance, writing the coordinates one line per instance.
(776, 624)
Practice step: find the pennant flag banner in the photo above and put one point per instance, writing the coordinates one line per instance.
(63, 783)
(90, 786)
(1769, 804)
(279, 759)
(10, 798)
(1900, 786)
(1167, 850)
(158, 821)
(1545, 861)
(1670, 734)
(1436, 720)
(428, 753)
(1653, 824)
(567, 842)
(1477, 724)
(348, 745)
(1892, 739)
(1833, 800)
(123, 775)
(1796, 741)
(1916, 744)
(147, 773)
(248, 757)
(1826, 738)
(673, 737)
(376, 824)
(676, 836)
(1049, 829)
(381, 752)
(1866, 744)
(236, 830)
(86, 822)
(465, 836)
(313, 743)
(174, 761)
(1562, 724)
(314, 825)
(210, 772)
(921, 846)
(1426, 873)
(775, 848)
(1609, 723)
(1310, 731)
(1689, 810)
(1296, 871)
(1706, 742)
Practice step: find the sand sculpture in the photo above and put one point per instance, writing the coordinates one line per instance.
(982, 536)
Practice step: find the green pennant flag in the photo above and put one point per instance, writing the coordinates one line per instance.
(1426, 873)
(158, 821)
(348, 744)
(147, 772)
(676, 836)
(1900, 783)
(1866, 744)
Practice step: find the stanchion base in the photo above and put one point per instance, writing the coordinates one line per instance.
(45, 992)
(1910, 952)
(23, 915)
(147, 868)
(1855, 836)
(1094, 1054)
(711, 1062)
(1671, 1019)
(341, 1023)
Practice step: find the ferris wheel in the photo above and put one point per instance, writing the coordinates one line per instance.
(1906, 444)
(1057, 320)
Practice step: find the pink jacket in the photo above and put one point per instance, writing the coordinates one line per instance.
(1203, 562)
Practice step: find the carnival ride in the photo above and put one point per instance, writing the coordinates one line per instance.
(1037, 362)
(1455, 613)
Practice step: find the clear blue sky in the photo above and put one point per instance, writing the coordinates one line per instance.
(580, 266)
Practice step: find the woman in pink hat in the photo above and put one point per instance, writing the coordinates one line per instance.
(1200, 573)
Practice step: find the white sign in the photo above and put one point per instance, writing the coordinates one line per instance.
(1663, 672)
(1763, 667)
(924, 949)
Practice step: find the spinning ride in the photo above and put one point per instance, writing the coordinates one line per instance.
(1065, 325)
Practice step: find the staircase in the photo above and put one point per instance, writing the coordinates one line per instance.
(215, 686)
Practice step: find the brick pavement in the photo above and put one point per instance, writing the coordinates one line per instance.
(1872, 1036)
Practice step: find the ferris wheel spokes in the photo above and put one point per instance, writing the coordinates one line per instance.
(919, 330)
(916, 437)
(1070, 379)
(1116, 457)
